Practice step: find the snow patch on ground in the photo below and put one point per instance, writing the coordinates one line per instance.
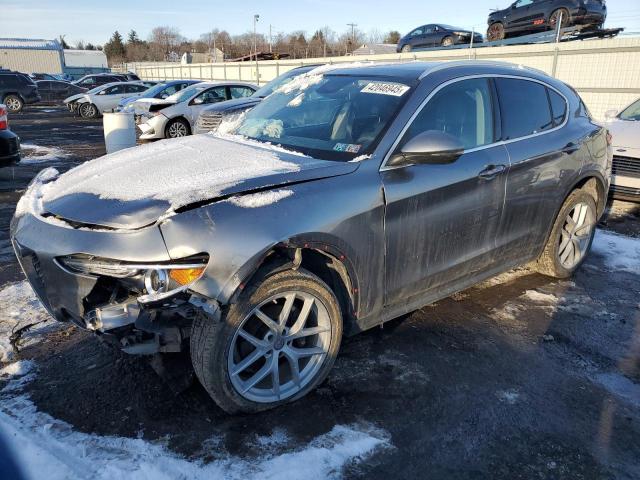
(20, 307)
(540, 297)
(36, 154)
(261, 199)
(620, 253)
(42, 444)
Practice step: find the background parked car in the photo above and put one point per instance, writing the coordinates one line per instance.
(155, 94)
(9, 141)
(94, 80)
(16, 90)
(55, 91)
(177, 116)
(528, 16)
(211, 116)
(104, 98)
(434, 35)
(625, 129)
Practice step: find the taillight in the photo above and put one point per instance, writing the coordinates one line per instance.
(4, 123)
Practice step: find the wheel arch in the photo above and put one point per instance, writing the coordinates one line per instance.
(322, 259)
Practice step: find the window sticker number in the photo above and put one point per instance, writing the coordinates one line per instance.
(381, 88)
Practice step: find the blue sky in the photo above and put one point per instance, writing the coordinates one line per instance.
(95, 20)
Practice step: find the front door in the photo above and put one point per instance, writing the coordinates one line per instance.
(204, 99)
(441, 220)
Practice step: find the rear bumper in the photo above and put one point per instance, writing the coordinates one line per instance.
(591, 15)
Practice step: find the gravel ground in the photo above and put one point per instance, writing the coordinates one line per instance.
(521, 376)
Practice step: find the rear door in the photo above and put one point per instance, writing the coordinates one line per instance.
(537, 12)
(544, 155)
(417, 38)
(441, 220)
(45, 88)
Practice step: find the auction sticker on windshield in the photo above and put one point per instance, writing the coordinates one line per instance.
(383, 88)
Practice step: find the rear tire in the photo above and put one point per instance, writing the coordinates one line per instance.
(242, 345)
(555, 16)
(88, 110)
(13, 103)
(571, 236)
(495, 32)
(177, 128)
(406, 48)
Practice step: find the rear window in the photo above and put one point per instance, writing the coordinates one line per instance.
(524, 106)
(8, 80)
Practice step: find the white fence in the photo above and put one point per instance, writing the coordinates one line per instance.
(606, 72)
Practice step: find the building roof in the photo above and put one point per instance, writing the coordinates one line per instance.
(29, 44)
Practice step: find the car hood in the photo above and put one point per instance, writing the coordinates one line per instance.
(625, 133)
(135, 187)
(75, 97)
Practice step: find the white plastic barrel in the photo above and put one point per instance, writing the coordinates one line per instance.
(119, 131)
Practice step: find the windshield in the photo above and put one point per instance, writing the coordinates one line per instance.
(331, 117)
(278, 82)
(154, 90)
(632, 112)
(185, 94)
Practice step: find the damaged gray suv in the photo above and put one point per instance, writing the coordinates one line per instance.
(348, 197)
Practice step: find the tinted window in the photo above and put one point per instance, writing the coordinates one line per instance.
(524, 106)
(416, 32)
(213, 95)
(523, 3)
(44, 85)
(135, 88)
(463, 109)
(114, 90)
(240, 92)
(8, 80)
(558, 107)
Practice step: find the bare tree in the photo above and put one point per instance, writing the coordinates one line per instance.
(168, 39)
(375, 36)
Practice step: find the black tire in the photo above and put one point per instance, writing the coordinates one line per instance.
(496, 32)
(406, 48)
(88, 110)
(211, 342)
(549, 262)
(553, 18)
(447, 41)
(177, 128)
(13, 103)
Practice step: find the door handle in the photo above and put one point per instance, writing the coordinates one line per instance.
(492, 171)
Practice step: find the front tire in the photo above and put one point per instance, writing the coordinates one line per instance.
(555, 17)
(447, 41)
(177, 128)
(406, 48)
(88, 110)
(14, 103)
(571, 236)
(273, 346)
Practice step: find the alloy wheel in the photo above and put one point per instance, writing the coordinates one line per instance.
(555, 16)
(177, 129)
(13, 104)
(496, 32)
(447, 42)
(576, 234)
(87, 110)
(279, 347)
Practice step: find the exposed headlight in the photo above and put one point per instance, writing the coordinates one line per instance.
(161, 280)
(462, 34)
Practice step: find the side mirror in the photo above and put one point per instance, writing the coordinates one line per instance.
(197, 101)
(610, 114)
(430, 147)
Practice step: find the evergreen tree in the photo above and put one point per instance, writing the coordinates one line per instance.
(114, 48)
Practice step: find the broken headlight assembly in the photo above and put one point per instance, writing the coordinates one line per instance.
(160, 280)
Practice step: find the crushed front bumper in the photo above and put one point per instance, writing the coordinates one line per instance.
(102, 304)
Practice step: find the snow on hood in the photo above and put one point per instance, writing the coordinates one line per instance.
(137, 186)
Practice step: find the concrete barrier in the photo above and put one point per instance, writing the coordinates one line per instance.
(605, 72)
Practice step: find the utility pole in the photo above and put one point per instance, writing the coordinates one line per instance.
(255, 46)
(353, 34)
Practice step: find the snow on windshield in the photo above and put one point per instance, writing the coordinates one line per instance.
(178, 171)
